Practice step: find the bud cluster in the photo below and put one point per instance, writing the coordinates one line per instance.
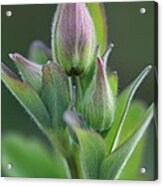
(71, 95)
(57, 73)
(73, 46)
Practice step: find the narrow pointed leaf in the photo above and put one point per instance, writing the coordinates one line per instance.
(122, 108)
(133, 121)
(27, 97)
(98, 16)
(55, 92)
(113, 165)
(30, 158)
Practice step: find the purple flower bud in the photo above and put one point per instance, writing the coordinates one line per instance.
(73, 37)
(98, 104)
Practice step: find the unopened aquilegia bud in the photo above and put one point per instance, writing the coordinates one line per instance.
(98, 104)
(73, 38)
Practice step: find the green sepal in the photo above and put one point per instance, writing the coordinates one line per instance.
(55, 92)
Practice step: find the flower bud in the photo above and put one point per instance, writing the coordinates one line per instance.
(30, 72)
(73, 38)
(39, 52)
(98, 104)
(72, 119)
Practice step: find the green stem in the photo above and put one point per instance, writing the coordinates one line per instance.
(70, 86)
(72, 90)
(72, 165)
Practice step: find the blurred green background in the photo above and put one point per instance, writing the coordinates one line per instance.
(131, 32)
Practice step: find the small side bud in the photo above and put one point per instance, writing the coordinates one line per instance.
(72, 119)
(39, 52)
(98, 104)
(29, 71)
(73, 38)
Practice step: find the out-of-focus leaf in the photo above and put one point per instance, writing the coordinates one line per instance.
(39, 52)
(29, 158)
(122, 108)
(55, 92)
(133, 121)
(30, 72)
(131, 170)
(113, 82)
(113, 165)
(98, 16)
(139, 158)
(27, 97)
(61, 140)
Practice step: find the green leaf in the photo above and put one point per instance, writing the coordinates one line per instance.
(113, 82)
(138, 159)
(122, 108)
(27, 97)
(98, 16)
(92, 148)
(131, 170)
(30, 158)
(92, 151)
(114, 163)
(55, 92)
(39, 52)
(133, 120)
